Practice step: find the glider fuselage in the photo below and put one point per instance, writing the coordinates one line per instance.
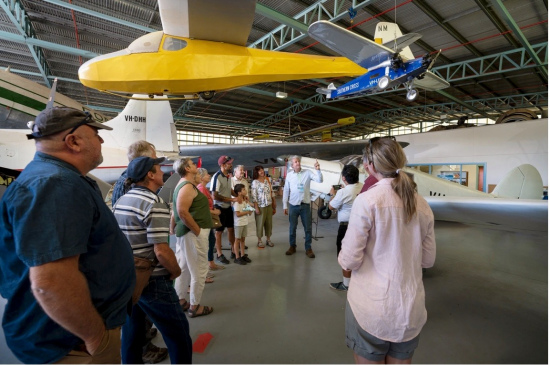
(199, 66)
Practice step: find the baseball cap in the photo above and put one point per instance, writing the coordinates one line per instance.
(224, 159)
(139, 167)
(57, 119)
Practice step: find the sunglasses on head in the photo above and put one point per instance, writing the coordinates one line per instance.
(86, 120)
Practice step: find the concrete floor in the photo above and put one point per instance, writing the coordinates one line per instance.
(487, 301)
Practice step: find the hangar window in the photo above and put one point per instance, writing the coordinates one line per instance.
(173, 44)
(147, 43)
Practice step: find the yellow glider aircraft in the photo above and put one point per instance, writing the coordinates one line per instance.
(203, 50)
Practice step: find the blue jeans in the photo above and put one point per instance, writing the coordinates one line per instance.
(211, 245)
(304, 212)
(159, 302)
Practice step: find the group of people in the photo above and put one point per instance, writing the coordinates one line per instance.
(63, 247)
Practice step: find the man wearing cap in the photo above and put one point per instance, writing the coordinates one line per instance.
(151, 353)
(145, 220)
(61, 248)
(220, 186)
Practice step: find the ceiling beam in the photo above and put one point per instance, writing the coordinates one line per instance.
(96, 14)
(16, 13)
(282, 37)
(47, 45)
(499, 6)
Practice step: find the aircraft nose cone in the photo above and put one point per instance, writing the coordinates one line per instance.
(94, 72)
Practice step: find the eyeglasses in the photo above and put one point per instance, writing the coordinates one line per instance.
(372, 141)
(86, 120)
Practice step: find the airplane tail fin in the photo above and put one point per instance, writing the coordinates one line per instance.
(327, 91)
(161, 130)
(389, 35)
(143, 120)
(522, 182)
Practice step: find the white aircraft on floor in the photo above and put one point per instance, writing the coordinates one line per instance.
(515, 204)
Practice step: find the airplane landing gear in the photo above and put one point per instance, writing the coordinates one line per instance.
(412, 94)
(411, 91)
(207, 95)
(383, 82)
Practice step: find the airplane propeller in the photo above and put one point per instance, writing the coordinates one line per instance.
(396, 61)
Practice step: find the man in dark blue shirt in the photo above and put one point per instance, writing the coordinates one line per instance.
(66, 269)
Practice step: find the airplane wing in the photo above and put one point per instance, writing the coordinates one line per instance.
(522, 215)
(227, 21)
(360, 50)
(431, 82)
(401, 42)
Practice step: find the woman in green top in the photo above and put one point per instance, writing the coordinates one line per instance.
(193, 223)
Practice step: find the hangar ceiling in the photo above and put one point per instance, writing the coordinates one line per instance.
(494, 55)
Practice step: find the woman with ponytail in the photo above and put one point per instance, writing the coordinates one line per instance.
(390, 238)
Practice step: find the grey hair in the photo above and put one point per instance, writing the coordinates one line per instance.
(296, 157)
(239, 167)
(201, 172)
(180, 165)
(140, 148)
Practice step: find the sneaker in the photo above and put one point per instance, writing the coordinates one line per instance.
(339, 286)
(153, 354)
(222, 260)
(245, 247)
(246, 259)
(310, 254)
(232, 255)
(240, 261)
(291, 250)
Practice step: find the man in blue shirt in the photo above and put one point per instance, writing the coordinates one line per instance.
(66, 269)
(296, 194)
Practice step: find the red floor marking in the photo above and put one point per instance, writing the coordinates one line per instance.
(202, 341)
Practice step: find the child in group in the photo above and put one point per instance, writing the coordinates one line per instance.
(241, 211)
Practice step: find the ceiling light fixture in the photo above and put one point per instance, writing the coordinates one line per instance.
(281, 94)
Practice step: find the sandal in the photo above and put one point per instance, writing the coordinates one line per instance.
(216, 267)
(261, 244)
(186, 305)
(205, 311)
(208, 281)
(269, 243)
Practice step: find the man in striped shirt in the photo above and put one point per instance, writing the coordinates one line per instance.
(145, 220)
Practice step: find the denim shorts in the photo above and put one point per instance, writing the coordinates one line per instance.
(372, 348)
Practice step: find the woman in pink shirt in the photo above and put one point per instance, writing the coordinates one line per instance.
(390, 238)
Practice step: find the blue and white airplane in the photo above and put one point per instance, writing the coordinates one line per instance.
(388, 59)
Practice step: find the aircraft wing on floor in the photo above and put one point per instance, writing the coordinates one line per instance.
(431, 82)
(360, 50)
(521, 215)
(228, 21)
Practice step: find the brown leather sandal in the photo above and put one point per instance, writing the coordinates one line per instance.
(205, 311)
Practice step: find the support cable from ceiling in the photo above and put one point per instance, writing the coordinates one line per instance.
(78, 46)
